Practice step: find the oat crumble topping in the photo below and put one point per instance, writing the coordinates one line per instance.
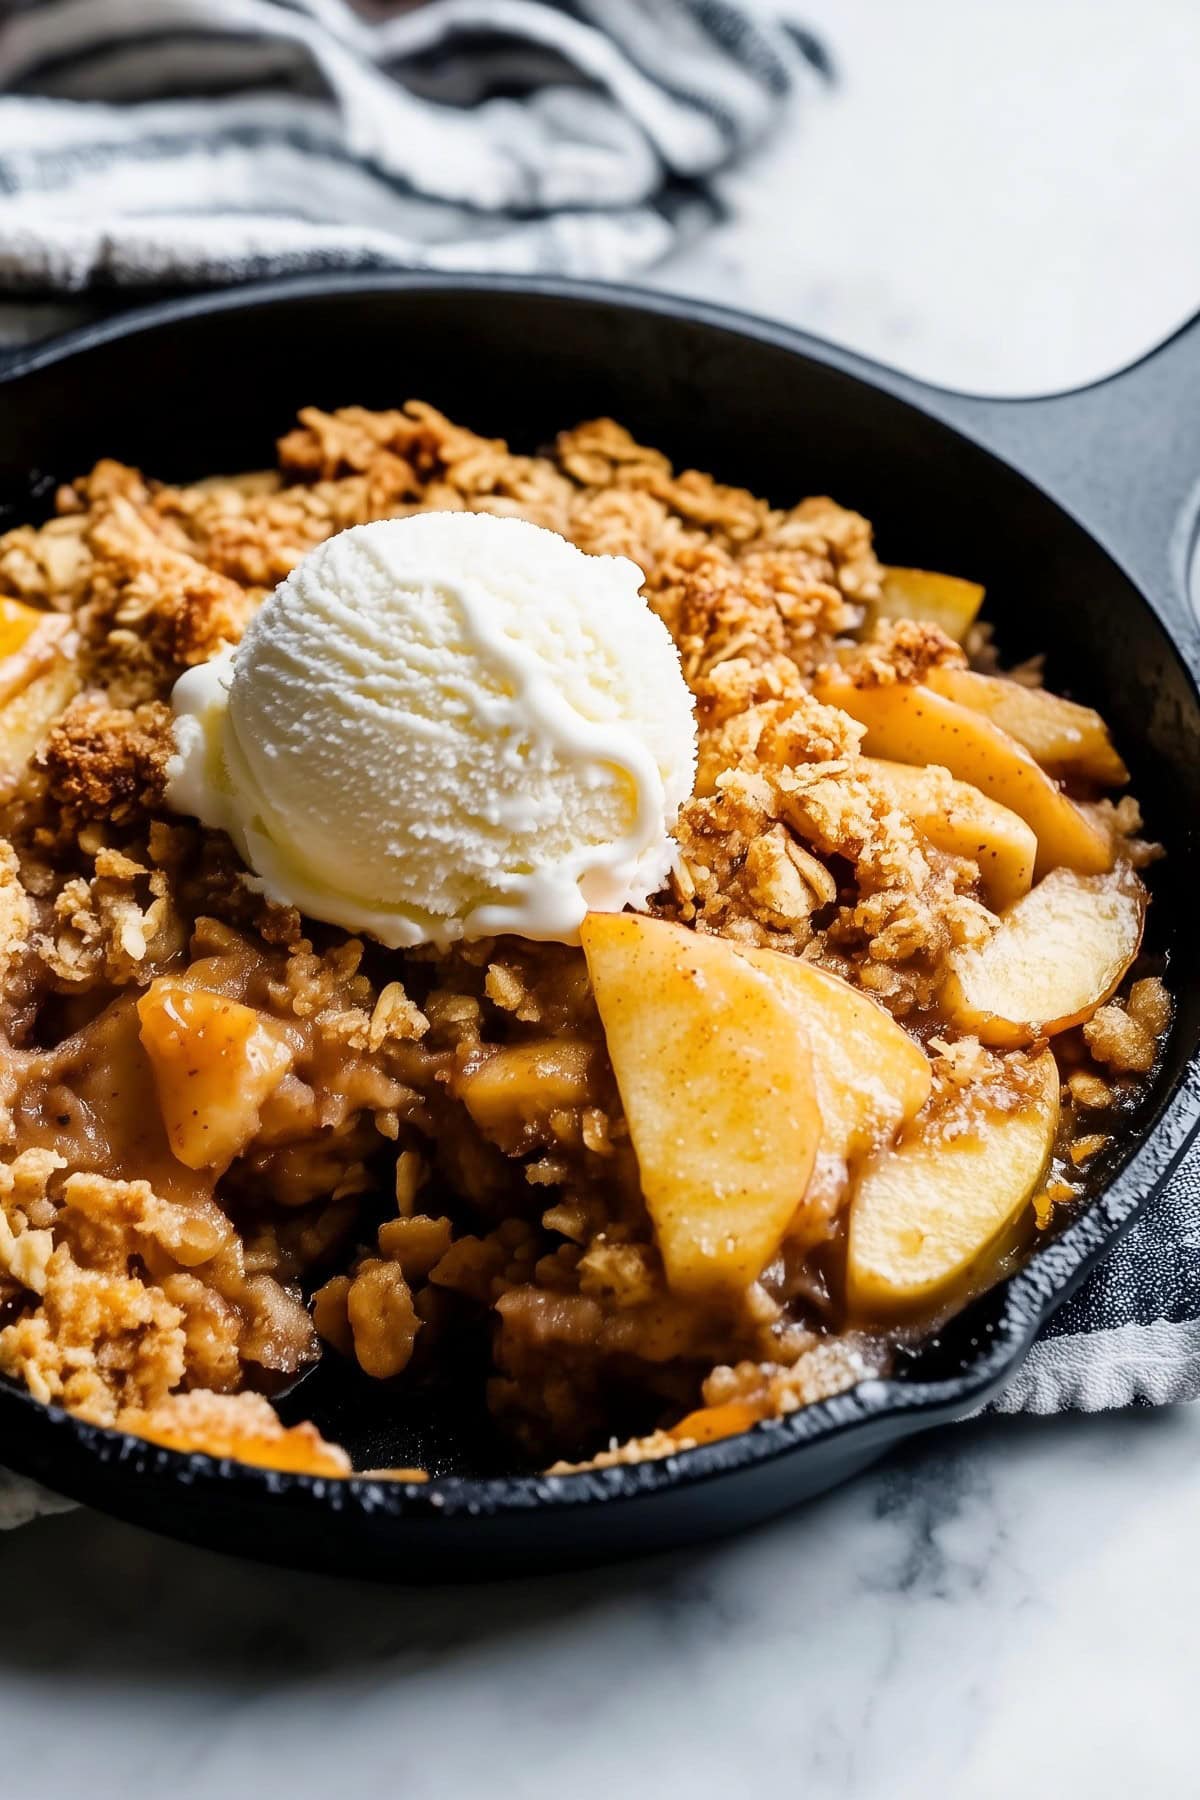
(437, 1138)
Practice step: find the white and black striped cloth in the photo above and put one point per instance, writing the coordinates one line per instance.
(168, 142)
(1131, 1335)
(154, 143)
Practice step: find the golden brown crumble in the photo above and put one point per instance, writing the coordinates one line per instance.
(104, 762)
(436, 1139)
(1125, 1036)
(901, 650)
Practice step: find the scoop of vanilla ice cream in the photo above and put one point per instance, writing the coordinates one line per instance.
(445, 726)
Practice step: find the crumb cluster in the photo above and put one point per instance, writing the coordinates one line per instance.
(407, 1178)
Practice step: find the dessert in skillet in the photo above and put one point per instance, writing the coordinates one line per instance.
(548, 909)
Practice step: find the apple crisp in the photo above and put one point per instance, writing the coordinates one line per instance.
(236, 1140)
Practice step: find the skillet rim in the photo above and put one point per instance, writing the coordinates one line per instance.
(1029, 1296)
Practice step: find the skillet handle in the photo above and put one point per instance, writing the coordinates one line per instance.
(1124, 457)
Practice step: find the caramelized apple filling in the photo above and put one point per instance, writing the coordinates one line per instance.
(708, 1168)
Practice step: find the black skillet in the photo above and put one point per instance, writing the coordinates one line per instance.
(206, 384)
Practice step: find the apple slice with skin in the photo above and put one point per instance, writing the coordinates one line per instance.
(931, 1216)
(215, 1062)
(909, 723)
(957, 818)
(944, 600)
(870, 1076)
(1065, 738)
(715, 1075)
(1058, 954)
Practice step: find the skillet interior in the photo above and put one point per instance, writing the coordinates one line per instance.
(207, 385)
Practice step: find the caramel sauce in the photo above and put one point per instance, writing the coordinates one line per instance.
(91, 1100)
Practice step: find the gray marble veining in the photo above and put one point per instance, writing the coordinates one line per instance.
(996, 198)
(1005, 1610)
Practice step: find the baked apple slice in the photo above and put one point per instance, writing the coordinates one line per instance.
(955, 817)
(1057, 955)
(907, 722)
(215, 1062)
(243, 1426)
(944, 600)
(931, 1218)
(37, 681)
(715, 1075)
(870, 1076)
(708, 1423)
(1065, 738)
(519, 1087)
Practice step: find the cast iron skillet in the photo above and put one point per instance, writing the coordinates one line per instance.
(205, 384)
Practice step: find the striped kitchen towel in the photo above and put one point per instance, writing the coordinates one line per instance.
(152, 143)
(173, 142)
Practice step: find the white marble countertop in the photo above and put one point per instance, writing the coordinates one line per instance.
(995, 198)
(1009, 1608)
